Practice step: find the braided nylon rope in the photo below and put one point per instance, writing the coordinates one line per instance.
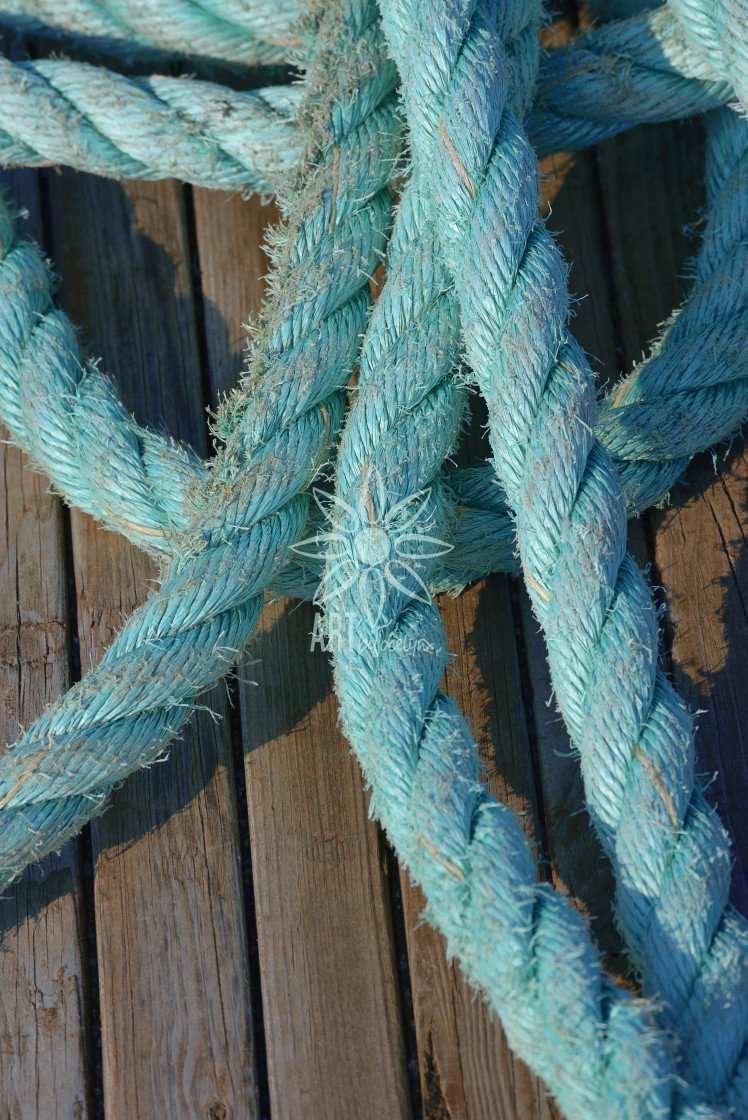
(633, 734)
(146, 128)
(259, 33)
(276, 430)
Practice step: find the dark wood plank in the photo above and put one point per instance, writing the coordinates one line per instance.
(331, 999)
(175, 1001)
(702, 562)
(43, 974)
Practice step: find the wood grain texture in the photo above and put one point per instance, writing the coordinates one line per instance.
(229, 232)
(331, 998)
(42, 945)
(173, 966)
(43, 970)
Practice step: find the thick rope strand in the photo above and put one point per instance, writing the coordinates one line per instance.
(277, 429)
(467, 851)
(634, 736)
(67, 416)
(254, 34)
(146, 128)
(60, 112)
(617, 76)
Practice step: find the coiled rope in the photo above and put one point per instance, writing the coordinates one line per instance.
(276, 429)
(602, 1016)
(59, 112)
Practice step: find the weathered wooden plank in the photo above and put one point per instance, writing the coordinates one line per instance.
(331, 1001)
(229, 233)
(175, 1006)
(702, 562)
(652, 189)
(43, 973)
(331, 998)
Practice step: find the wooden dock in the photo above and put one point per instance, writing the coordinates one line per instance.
(233, 940)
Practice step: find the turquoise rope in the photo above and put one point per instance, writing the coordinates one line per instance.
(593, 1045)
(623, 74)
(35, 762)
(146, 128)
(277, 428)
(634, 736)
(257, 33)
(56, 111)
(67, 416)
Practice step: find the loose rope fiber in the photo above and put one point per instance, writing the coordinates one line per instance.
(257, 33)
(57, 112)
(276, 430)
(633, 734)
(60, 112)
(599, 1049)
(692, 393)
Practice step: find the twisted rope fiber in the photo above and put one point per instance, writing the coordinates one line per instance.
(595, 1047)
(68, 417)
(56, 111)
(27, 777)
(276, 428)
(634, 735)
(146, 128)
(258, 33)
(628, 72)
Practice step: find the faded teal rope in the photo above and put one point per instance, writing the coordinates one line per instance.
(634, 736)
(146, 128)
(35, 761)
(276, 428)
(56, 111)
(525, 946)
(256, 33)
(68, 417)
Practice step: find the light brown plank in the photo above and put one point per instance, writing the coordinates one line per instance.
(43, 975)
(333, 1025)
(230, 241)
(175, 1001)
(331, 1000)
